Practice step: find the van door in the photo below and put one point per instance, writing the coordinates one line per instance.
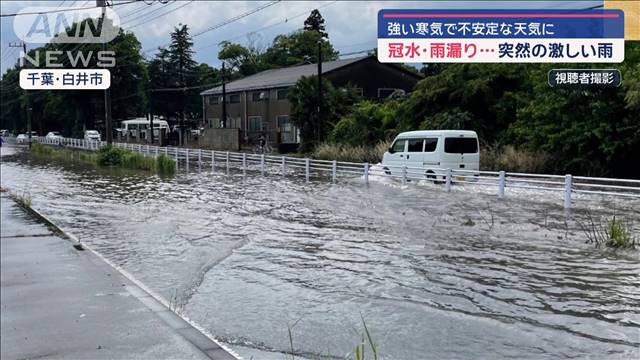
(396, 157)
(431, 157)
(414, 155)
(461, 152)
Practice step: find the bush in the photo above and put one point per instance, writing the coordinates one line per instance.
(508, 158)
(110, 156)
(341, 152)
(165, 165)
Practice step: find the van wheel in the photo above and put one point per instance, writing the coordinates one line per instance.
(432, 177)
(387, 171)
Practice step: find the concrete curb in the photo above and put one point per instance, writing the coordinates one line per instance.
(185, 327)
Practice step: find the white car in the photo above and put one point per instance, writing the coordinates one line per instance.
(429, 152)
(21, 139)
(92, 135)
(53, 135)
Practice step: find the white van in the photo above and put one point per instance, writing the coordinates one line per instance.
(139, 128)
(430, 151)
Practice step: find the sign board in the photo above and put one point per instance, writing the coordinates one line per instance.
(501, 36)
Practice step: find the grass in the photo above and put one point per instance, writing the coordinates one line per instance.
(614, 233)
(341, 152)
(110, 156)
(365, 344)
(24, 199)
(508, 158)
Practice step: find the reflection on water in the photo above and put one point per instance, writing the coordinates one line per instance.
(435, 275)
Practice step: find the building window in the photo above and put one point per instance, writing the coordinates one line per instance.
(283, 94)
(259, 96)
(214, 122)
(214, 100)
(233, 123)
(255, 123)
(283, 121)
(234, 99)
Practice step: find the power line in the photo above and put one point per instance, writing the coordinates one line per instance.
(65, 9)
(161, 15)
(137, 10)
(236, 18)
(165, 5)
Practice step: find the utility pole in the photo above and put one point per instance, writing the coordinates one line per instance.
(26, 93)
(223, 122)
(107, 92)
(319, 125)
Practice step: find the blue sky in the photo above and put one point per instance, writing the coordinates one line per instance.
(351, 24)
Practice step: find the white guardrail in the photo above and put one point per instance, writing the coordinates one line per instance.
(564, 184)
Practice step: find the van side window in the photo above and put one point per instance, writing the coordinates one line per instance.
(461, 145)
(415, 145)
(430, 144)
(398, 146)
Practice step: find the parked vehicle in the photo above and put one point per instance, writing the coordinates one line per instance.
(4, 132)
(92, 135)
(21, 139)
(433, 150)
(138, 128)
(52, 135)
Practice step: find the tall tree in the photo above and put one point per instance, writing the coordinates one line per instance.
(183, 65)
(315, 22)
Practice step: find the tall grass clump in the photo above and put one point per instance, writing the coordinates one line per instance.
(509, 158)
(110, 156)
(165, 165)
(40, 149)
(614, 233)
(351, 153)
(24, 199)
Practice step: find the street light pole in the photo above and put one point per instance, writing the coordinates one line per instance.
(319, 125)
(26, 93)
(107, 91)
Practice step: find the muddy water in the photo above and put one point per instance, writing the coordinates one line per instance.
(435, 275)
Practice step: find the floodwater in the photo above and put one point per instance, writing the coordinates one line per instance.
(435, 275)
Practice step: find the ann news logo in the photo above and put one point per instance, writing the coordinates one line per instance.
(47, 24)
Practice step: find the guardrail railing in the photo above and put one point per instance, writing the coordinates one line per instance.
(287, 165)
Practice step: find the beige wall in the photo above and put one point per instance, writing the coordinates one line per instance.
(220, 139)
(631, 10)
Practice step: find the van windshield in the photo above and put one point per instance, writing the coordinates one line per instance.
(461, 145)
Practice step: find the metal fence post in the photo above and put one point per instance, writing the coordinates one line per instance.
(156, 150)
(568, 180)
(199, 158)
(404, 175)
(227, 163)
(213, 160)
(306, 169)
(284, 166)
(186, 158)
(448, 183)
(166, 151)
(244, 164)
(366, 173)
(334, 170)
(501, 182)
(262, 164)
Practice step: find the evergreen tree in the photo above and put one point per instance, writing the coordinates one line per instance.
(315, 22)
(182, 68)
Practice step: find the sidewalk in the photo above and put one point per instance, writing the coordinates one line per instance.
(58, 302)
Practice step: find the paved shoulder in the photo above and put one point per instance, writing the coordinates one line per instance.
(58, 302)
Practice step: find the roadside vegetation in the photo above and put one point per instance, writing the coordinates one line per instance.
(612, 232)
(366, 348)
(23, 199)
(110, 156)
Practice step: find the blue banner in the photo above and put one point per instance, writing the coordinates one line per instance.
(500, 24)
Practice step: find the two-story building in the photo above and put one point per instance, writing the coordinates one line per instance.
(259, 104)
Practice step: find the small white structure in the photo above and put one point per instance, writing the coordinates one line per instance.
(432, 151)
(139, 127)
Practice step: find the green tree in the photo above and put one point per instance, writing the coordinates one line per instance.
(298, 48)
(182, 68)
(315, 22)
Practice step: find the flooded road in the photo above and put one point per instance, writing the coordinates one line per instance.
(435, 275)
